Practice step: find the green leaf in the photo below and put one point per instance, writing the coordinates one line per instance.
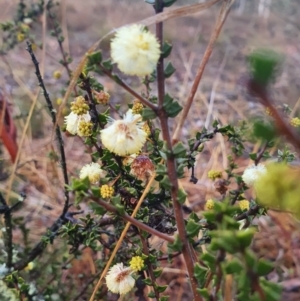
(165, 183)
(166, 49)
(264, 267)
(204, 293)
(245, 237)
(233, 267)
(99, 210)
(151, 295)
(181, 197)
(148, 114)
(96, 191)
(80, 185)
(148, 281)
(95, 58)
(176, 246)
(179, 150)
(169, 70)
(192, 228)
(161, 169)
(157, 272)
(200, 274)
(164, 298)
(168, 3)
(250, 259)
(210, 260)
(171, 107)
(161, 288)
(175, 110)
(253, 156)
(107, 65)
(264, 131)
(152, 2)
(264, 64)
(271, 289)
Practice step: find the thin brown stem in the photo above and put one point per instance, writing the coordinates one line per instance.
(160, 65)
(171, 167)
(133, 221)
(142, 99)
(282, 126)
(149, 265)
(218, 26)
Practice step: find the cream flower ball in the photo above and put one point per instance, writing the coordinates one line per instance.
(252, 174)
(135, 50)
(92, 171)
(72, 121)
(119, 279)
(124, 137)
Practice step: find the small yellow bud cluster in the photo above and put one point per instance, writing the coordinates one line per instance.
(146, 129)
(136, 263)
(20, 37)
(214, 174)
(209, 204)
(137, 107)
(244, 205)
(268, 111)
(106, 191)
(85, 128)
(24, 27)
(295, 122)
(57, 74)
(79, 107)
(101, 97)
(29, 266)
(59, 101)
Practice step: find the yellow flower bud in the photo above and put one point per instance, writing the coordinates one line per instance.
(79, 106)
(136, 263)
(106, 191)
(209, 205)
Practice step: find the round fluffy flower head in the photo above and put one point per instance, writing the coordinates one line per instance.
(73, 120)
(252, 174)
(295, 122)
(124, 137)
(209, 205)
(92, 171)
(279, 188)
(135, 50)
(119, 279)
(244, 204)
(214, 174)
(79, 106)
(136, 263)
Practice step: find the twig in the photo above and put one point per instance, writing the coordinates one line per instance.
(282, 126)
(261, 153)
(160, 65)
(219, 24)
(143, 100)
(133, 221)
(59, 38)
(8, 227)
(171, 166)
(57, 129)
(149, 265)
